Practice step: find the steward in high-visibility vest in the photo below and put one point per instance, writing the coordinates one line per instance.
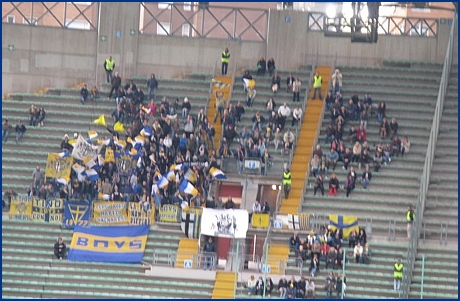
(287, 183)
(109, 65)
(225, 60)
(398, 275)
(410, 216)
(317, 83)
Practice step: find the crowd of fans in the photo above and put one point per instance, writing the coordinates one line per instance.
(352, 148)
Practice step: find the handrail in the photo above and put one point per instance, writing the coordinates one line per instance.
(426, 174)
(344, 262)
(210, 89)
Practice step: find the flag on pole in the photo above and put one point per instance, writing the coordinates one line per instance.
(188, 188)
(92, 134)
(100, 121)
(118, 127)
(217, 173)
(346, 223)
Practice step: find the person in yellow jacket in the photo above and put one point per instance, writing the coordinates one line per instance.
(410, 216)
(225, 60)
(286, 182)
(317, 83)
(398, 275)
(109, 65)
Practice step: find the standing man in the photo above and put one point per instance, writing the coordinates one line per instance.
(109, 65)
(225, 60)
(116, 83)
(59, 248)
(152, 84)
(317, 82)
(398, 275)
(286, 183)
(209, 249)
(410, 216)
(38, 178)
(240, 159)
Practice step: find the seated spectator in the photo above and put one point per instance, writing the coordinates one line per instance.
(95, 93)
(276, 82)
(20, 130)
(316, 249)
(265, 208)
(239, 111)
(268, 287)
(186, 107)
(364, 159)
(257, 121)
(301, 256)
(367, 102)
(332, 157)
(349, 184)
(118, 115)
(319, 184)
(59, 249)
(296, 116)
(384, 128)
(261, 66)
(350, 110)
(294, 242)
(336, 241)
(361, 134)
(364, 118)
(289, 138)
(250, 96)
(84, 94)
(333, 185)
(252, 282)
(6, 128)
(290, 292)
(357, 252)
(33, 115)
(331, 258)
(352, 239)
(405, 146)
(346, 158)
(395, 146)
(282, 287)
(260, 286)
(367, 254)
(301, 287)
(310, 288)
(41, 116)
(248, 76)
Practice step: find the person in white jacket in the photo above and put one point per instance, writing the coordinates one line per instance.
(284, 111)
(296, 116)
(252, 281)
(336, 81)
(358, 252)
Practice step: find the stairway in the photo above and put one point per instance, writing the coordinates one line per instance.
(277, 257)
(212, 110)
(187, 250)
(224, 287)
(305, 144)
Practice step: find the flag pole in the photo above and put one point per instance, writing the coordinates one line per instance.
(236, 264)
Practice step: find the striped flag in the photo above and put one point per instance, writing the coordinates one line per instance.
(217, 173)
(190, 175)
(188, 188)
(299, 222)
(191, 222)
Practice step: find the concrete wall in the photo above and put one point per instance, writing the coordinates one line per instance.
(50, 57)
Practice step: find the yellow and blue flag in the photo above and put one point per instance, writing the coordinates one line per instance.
(76, 214)
(346, 223)
(219, 84)
(116, 244)
(58, 165)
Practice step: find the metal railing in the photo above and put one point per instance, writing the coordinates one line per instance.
(425, 178)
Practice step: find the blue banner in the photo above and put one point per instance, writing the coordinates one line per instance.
(76, 213)
(115, 244)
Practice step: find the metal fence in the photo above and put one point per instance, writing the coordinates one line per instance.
(425, 178)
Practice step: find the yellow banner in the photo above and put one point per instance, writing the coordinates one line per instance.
(110, 213)
(138, 216)
(260, 220)
(58, 167)
(20, 208)
(169, 214)
(48, 210)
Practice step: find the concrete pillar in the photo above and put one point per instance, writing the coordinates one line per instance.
(119, 23)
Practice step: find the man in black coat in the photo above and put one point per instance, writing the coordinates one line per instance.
(209, 249)
(59, 248)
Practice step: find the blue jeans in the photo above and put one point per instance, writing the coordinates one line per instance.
(33, 120)
(184, 113)
(5, 134)
(208, 262)
(365, 183)
(259, 125)
(152, 93)
(19, 135)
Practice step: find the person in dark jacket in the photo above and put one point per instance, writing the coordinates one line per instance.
(20, 130)
(229, 204)
(152, 85)
(261, 66)
(116, 83)
(282, 287)
(209, 250)
(271, 66)
(84, 94)
(59, 249)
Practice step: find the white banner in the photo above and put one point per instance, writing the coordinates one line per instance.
(82, 149)
(232, 223)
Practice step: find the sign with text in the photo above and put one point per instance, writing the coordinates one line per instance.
(76, 213)
(137, 215)
(21, 208)
(110, 213)
(170, 214)
(48, 210)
